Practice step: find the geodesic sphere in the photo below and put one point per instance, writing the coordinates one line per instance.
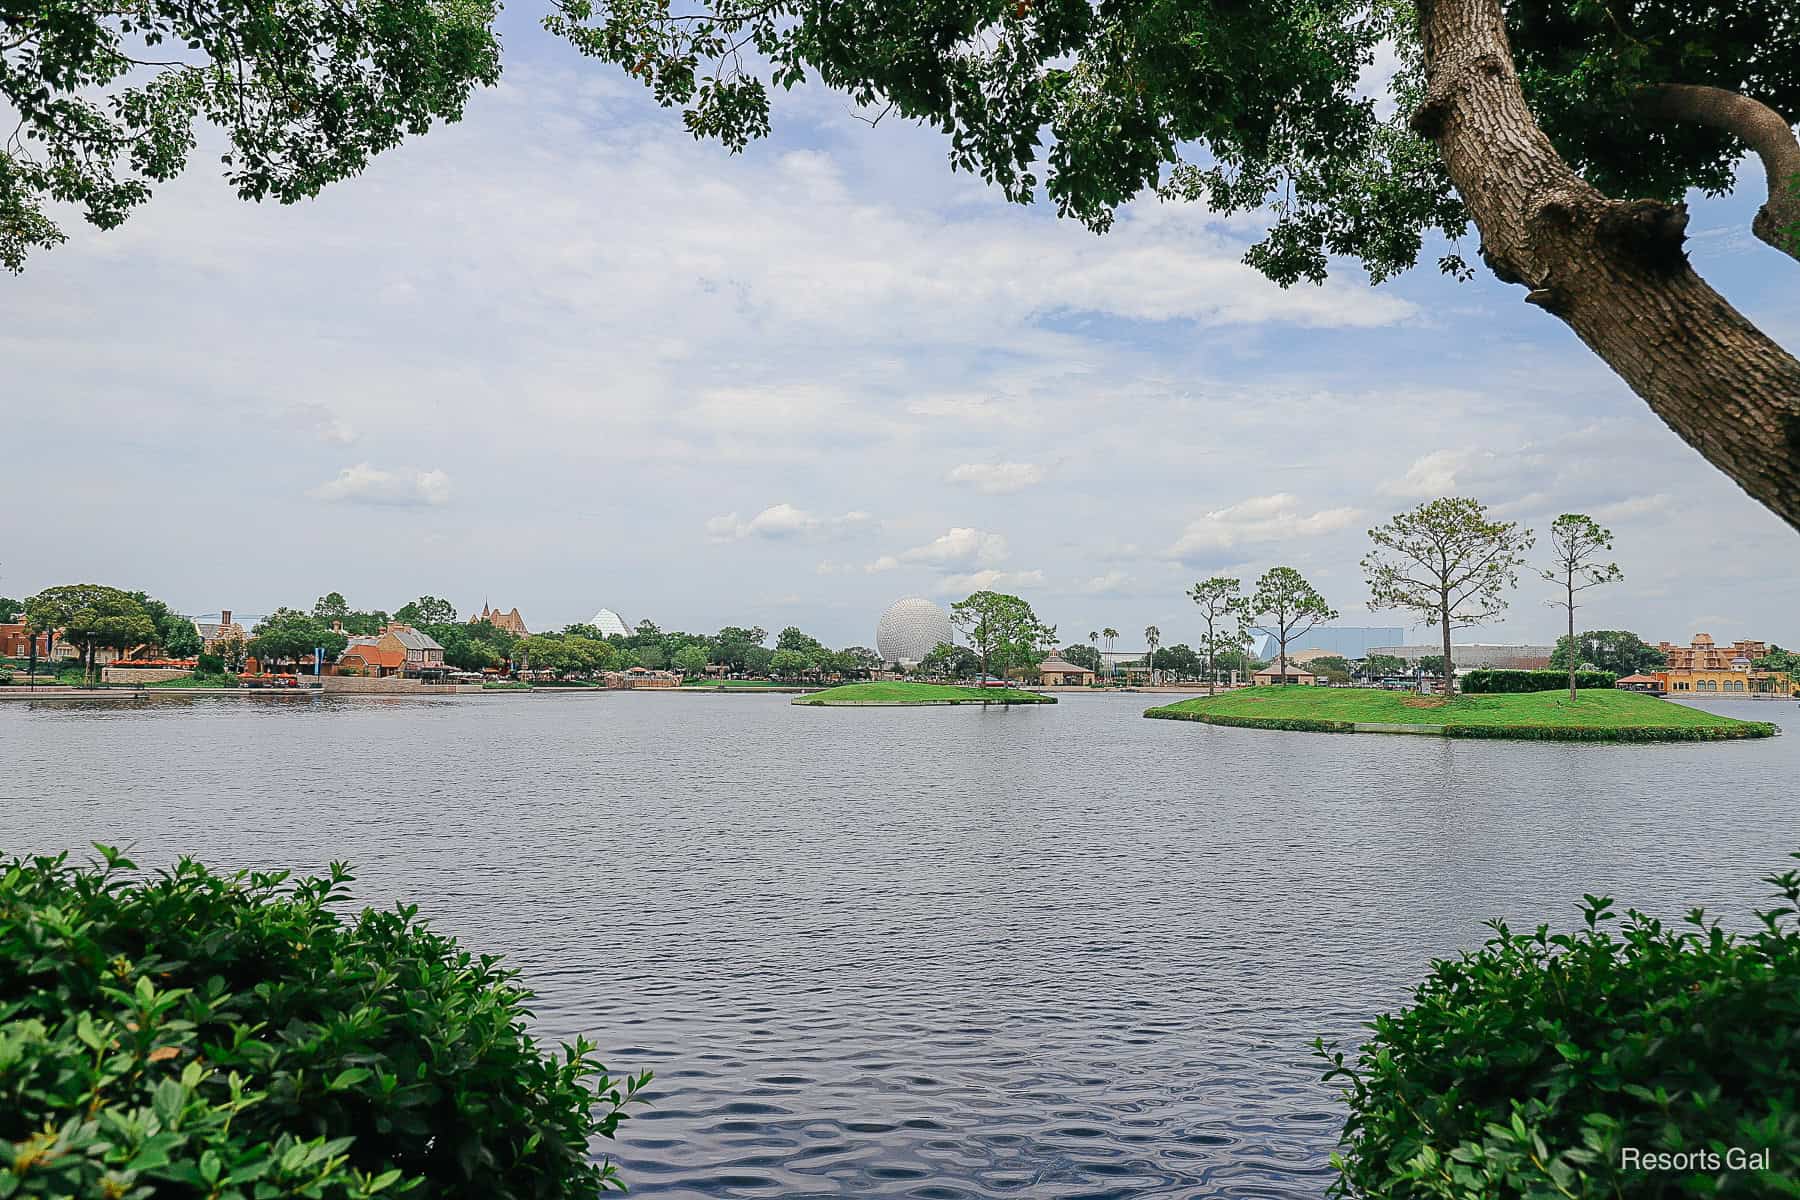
(910, 629)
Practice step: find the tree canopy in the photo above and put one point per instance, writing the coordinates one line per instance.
(426, 610)
(288, 636)
(1284, 606)
(1448, 563)
(1565, 135)
(108, 94)
(1617, 650)
(1577, 544)
(1002, 629)
(92, 616)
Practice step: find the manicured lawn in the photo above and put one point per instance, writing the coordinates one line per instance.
(921, 693)
(1597, 714)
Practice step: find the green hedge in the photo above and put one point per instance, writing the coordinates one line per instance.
(1545, 1066)
(1299, 724)
(234, 1038)
(1492, 682)
(1581, 733)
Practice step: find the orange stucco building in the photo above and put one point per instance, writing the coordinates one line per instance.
(1704, 668)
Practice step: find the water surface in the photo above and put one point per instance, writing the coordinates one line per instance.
(1053, 951)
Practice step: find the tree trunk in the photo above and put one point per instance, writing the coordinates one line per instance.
(87, 664)
(1281, 668)
(1449, 667)
(1572, 653)
(1613, 271)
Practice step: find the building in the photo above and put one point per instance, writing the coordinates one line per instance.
(1702, 654)
(1705, 668)
(1057, 671)
(1470, 656)
(1651, 684)
(1273, 674)
(1345, 641)
(222, 630)
(397, 650)
(910, 629)
(610, 624)
(16, 639)
(368, 656)
(512, 622)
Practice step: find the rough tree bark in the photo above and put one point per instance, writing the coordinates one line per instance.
(1612, 270)
(1759, 127)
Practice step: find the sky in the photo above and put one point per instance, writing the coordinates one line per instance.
(560, 356)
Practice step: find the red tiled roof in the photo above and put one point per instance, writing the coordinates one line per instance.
(377, 655)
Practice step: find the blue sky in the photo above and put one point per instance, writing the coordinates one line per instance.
(559, 356)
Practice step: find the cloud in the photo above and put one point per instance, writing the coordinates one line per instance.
(365, 484)
(886, 562)
(1258, 520)
(997, 478)
(1434, 474)
(334, 432)
(1635, 506)
(990, 580)
(959, 547)
(784, 522)
(1112, 581)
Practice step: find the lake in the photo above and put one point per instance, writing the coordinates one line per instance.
(1050, 951)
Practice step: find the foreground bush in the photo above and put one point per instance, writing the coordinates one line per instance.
(233, 1038)
(1495, 682)
(1557, 1065)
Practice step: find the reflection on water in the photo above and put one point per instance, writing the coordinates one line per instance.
(1048, 952)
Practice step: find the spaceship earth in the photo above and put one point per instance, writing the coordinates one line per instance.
(910, 629)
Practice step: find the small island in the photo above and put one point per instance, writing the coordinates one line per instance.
(900, 694)
(1595, 715)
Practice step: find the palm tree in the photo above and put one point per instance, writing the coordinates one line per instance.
(1153, 635)
(1111, 635)
(1094, 641)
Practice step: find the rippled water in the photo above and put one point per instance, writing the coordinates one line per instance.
(1048, 952)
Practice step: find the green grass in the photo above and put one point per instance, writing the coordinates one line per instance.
(921, 693)
(1594, 715)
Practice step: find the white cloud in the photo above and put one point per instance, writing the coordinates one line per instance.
(997, 478)
(886, 562)
(334, 432)
(1635, 506)
(1257, 520)
(784, 522)
(365, 484)
(1112, 581)
(989, 580)
(959, 547)
(1434, 474)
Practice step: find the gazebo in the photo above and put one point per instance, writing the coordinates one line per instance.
(1057, 671)
(1273, 674)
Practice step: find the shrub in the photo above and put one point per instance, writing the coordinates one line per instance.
(209, 664)
(1526, 1068)
(1298, 724)
(1489, 682)
(1616, 733)
(234, 1038)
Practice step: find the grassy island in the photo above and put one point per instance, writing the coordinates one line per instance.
(1598, 715)
(895, 694)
